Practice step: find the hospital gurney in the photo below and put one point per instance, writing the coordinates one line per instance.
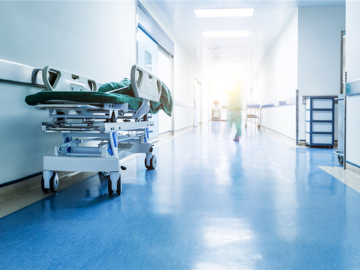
(98, 128)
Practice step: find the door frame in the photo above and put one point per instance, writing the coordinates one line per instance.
(161, 34)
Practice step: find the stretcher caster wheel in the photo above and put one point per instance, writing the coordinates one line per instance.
(54, 182)
(153, 163)
(45, 190)
(110, 186)
(119, 186)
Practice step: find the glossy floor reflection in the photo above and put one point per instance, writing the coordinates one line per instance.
(211, 204)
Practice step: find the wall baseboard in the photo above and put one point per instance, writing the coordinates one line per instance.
(286, 138)
(66, 179)
(280, 135)
(353, 169)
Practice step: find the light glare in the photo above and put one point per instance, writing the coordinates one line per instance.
(227, 65)
(236, 12)
(226, 33)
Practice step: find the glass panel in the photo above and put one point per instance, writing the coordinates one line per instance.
(322, 103)
(322, 138)
(148, 60)
(322, 115)
(321, 127)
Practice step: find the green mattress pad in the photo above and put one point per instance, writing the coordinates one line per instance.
(101, 96)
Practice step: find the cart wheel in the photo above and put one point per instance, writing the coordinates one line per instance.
(45, 190)
(153, 163)
(54, 182)
(119, 186)
(340, 159)
(109, 186)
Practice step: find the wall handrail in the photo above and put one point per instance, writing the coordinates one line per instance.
(285, 102)
(15, 73)
(181, 103)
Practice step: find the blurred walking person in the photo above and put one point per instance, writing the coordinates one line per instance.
(235, 109)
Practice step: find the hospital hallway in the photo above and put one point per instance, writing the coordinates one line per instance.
(210, 204)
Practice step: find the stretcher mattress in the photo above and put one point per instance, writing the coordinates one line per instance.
(101, 96)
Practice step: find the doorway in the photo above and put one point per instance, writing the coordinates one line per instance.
(148, 60)
(197, 103)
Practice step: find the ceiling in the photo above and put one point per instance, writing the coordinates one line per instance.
(265, 26)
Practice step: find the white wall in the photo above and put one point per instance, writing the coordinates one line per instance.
(184, 87)
(352, 40)
(352, 129)
(94, 39)
(353, 73)
(319, 53)
(281, 119)
(279, 68)
(183, 75)
(277, 80)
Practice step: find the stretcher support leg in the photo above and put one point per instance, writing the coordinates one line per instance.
(47, 176)
(114, 177)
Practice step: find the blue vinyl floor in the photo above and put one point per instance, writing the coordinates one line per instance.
(211, 204)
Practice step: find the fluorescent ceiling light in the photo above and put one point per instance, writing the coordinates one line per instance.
(226, 33)
(227, 65)
(230, 12)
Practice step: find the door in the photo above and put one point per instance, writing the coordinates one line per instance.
(165, 75)
(196, 102)
(148, 60)
(199, 99)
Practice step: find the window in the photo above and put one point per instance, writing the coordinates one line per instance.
(148, 61)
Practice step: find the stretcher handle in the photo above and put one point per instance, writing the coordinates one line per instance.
(146, 86)
(61, 80)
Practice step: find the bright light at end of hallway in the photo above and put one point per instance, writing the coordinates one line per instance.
(226, 33)
(229, 12)
(227, 65)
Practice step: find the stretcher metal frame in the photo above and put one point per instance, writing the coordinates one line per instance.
(97, 136)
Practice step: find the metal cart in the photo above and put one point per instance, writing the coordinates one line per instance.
(253, 112)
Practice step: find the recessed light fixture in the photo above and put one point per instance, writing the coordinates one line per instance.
(227, 65)
(226, 33)
(224, 12)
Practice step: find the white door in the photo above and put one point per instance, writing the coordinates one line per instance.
(165, 75)
(199, 102)
(196, 102)
(148, 60)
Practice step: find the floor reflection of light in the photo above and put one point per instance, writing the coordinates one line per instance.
(229, 243)
(215, 266)
(215, 237)
(222, 176)
(225, 231)
(286, 206)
